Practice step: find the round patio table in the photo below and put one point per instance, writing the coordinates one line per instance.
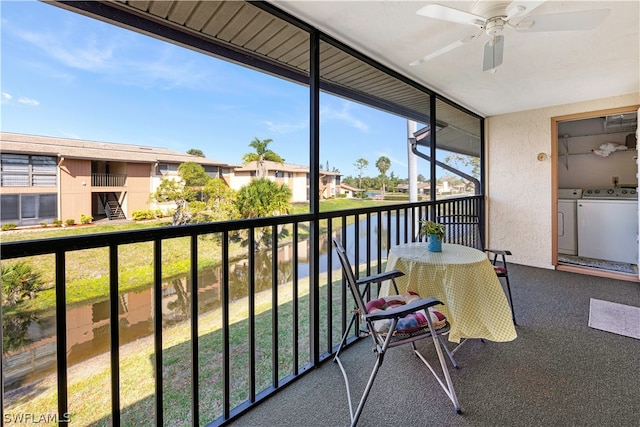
(464, 280)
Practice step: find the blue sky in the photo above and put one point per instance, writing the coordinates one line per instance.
(66, 75)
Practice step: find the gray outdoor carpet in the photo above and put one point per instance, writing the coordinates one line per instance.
(558, 372)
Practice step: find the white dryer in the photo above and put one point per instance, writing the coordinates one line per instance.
(567, 220)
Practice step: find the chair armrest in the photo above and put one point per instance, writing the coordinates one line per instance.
(498, 251)
(403, 310)
(380, 277)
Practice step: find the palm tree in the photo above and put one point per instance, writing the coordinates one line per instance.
(383, 164)
(261, 154)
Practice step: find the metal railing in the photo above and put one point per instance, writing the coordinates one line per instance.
(306, 327)
(108, 179)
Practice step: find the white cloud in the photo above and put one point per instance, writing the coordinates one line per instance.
(285, 128)
(29, 101)
(85, 56)
(344, 114)
(6, 96)
(119, 57)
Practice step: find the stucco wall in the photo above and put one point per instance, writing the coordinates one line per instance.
(75, 185)
(519, 186)
(137, 187)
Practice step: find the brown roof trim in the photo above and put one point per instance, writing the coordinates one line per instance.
(83, 149)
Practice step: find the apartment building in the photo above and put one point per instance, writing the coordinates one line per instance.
(296, 177)
(45, 178)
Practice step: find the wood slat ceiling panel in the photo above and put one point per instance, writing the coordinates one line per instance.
(301, 60)
(365, 79)
(161, 8)
(182, 11)
(344, 70)
(297, 53)
(142, 5)
(266, 33)
(285, 50)
(239, 22)
(372, 78)
(202, 14)
(458, 119)
(252, 32)
(221, 18)
(279, 42)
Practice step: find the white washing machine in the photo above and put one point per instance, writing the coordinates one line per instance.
(567, 222)
(608, 224)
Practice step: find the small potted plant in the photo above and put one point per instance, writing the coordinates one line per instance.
(434, 232)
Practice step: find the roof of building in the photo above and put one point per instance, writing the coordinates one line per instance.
(420, 185)
(348, 187)
(273, 166)
(280, 167)
(83, 149)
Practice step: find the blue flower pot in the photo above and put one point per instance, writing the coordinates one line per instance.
(434, 244)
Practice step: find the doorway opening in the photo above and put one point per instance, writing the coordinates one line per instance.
(596, 193)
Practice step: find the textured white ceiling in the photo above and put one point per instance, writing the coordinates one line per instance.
(539, 69)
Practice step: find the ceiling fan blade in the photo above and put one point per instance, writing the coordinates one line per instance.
(570, 21)
(443, 50)
(450, 14)
(493, 50)
(520, 8)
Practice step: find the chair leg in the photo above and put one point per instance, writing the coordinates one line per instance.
(449, 352)
(513, 310)
(365, 395)
(343, 341)
(380, 349)
(448, 387)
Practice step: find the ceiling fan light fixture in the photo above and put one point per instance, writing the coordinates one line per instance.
(493, 53)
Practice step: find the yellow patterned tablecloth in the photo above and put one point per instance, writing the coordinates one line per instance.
(463, 279)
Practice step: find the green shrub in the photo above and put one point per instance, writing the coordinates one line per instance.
(70, 222)
(43, 224)
(85, 219)
(342, 196)
(396, 197)
(8, 226)
(19, 282)
(141, 215)
(56, 222)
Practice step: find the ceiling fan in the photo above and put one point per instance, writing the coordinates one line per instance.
(497, 16)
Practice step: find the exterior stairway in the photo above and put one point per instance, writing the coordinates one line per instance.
(112, 207)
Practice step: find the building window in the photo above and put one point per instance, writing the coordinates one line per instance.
(165, 169)
(28, 209)
(9, 208)
(48, 206)
(21, 170)
(212, 171)
(279, 174)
